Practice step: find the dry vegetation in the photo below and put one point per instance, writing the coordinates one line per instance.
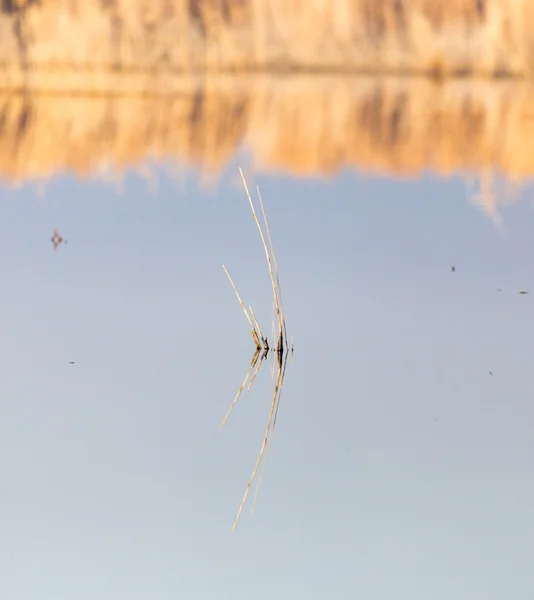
(94, 83)
(431, 36)
(309, 125)
(279, 346)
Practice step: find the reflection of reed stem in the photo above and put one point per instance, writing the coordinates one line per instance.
(256, 372)
(269, 431)
(252, 365)
(272, 434)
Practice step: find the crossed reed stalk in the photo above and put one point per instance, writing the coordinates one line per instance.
(279, 348)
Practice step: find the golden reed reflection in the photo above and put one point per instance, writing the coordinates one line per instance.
(304, 124)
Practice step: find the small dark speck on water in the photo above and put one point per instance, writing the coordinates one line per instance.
(523, 292)
(71, 362)
(490, 373)
(453, 268)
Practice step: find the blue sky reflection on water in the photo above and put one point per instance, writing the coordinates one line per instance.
(400, 467)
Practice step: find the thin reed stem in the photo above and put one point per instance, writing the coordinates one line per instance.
(278, 313)
(258, 326)
(279, 289)
(253, 330)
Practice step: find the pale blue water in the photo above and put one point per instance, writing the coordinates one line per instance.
(400, 467)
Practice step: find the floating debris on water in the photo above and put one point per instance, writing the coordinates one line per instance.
(57, 239)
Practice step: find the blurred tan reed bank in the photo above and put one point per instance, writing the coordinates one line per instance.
(487, 37)
(302, 125)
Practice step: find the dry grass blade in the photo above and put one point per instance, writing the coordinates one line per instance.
(252, 365)
(269, 263)
(273, 336)
(279, 350)
(279, 289)
(252, 328)
(263, 340)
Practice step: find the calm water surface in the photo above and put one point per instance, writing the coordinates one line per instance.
(403, 457)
